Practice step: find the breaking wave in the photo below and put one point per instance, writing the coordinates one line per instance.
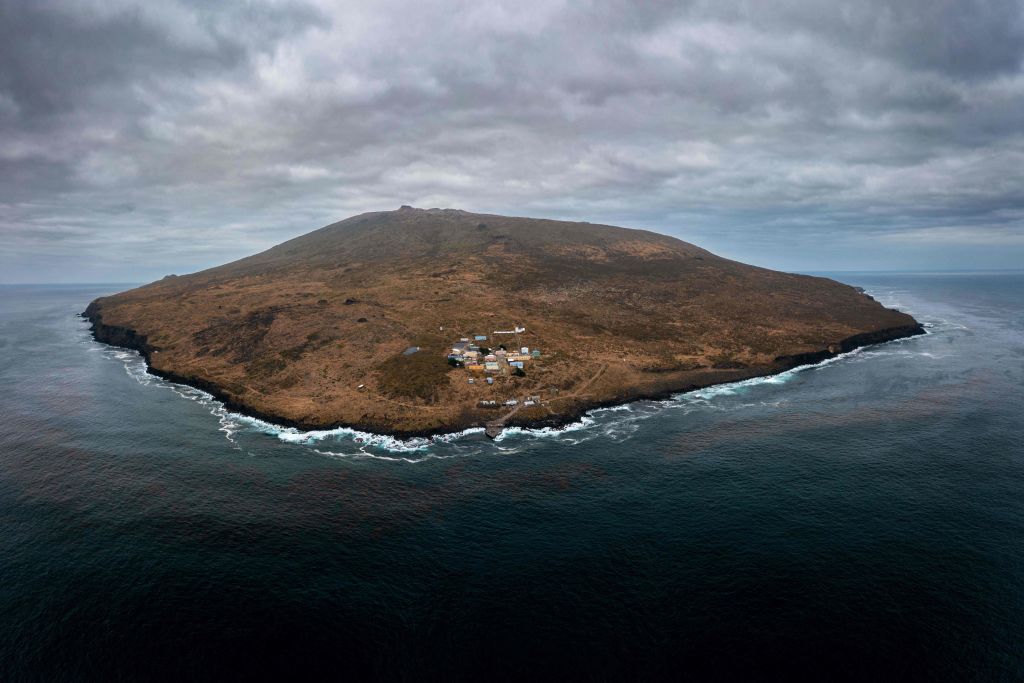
(616, 423)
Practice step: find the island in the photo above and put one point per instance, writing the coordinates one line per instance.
(416, 322)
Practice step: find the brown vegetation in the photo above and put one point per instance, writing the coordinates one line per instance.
(312, 331)
(421, 375)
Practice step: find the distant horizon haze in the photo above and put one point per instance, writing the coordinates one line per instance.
(128, 284)
(145, 271)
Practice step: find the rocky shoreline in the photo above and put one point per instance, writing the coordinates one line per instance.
(124, 337)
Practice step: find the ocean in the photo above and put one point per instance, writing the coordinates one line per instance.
(862, 519)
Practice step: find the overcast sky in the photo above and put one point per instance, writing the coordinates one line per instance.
(139, 138)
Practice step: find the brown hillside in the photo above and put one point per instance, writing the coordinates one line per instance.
(291, 333)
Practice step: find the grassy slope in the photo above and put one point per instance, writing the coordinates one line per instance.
(293, 331)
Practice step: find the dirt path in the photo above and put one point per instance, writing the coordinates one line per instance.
(494, 427)
(583, 387)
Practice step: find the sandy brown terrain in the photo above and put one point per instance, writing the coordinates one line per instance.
(312, 332)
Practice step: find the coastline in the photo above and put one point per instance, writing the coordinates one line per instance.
(124, 337)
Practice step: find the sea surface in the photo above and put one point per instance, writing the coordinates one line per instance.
(859, 519)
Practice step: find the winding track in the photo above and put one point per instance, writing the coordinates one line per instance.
(495, 427)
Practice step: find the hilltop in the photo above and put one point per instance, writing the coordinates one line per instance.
(320, 330)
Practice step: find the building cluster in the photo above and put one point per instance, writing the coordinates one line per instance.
(528, 401)
(476, 356)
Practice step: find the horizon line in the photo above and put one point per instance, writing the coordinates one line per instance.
(909, 271)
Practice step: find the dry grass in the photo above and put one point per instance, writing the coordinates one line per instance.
(294, 331)
(419, 376)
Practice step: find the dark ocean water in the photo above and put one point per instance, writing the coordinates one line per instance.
(863, 519)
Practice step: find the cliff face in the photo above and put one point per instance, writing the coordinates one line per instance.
(115, 335)
(312, 332)
(849, 344)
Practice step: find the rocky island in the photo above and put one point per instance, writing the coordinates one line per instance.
(416, 322)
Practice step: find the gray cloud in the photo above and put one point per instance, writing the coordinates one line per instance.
(142, 138)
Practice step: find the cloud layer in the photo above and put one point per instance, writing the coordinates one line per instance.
(139, 138)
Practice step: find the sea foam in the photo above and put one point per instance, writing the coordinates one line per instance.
(613, 422)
